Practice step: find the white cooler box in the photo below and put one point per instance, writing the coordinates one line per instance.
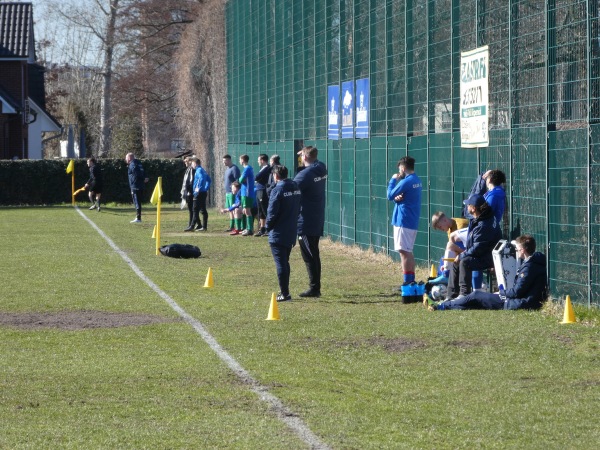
(505, 263)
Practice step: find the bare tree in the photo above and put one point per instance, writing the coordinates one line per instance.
(201, 84)
(145, 71)
(98, 20)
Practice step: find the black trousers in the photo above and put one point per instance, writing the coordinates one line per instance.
(190, 205)
(477, 300)
(200, 207)
(136, 196)
(309, 248)
(461, 274)
(262, 200)
(281, 256)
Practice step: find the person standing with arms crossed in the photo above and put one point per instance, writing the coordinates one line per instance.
(281, 222)
(312, 181)
(137, 182)
(232, 173)
(404, 189)
(260, 188)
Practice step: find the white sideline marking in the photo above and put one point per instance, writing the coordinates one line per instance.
(283, 412)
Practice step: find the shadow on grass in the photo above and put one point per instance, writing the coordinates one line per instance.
(375, 298)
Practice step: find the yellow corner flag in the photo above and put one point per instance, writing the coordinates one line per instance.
(157, 194)
(71, 166)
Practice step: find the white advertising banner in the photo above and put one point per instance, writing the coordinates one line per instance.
(474, 107)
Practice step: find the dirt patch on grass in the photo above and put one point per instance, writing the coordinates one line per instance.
(393, 345)
(78, 320)
(465, 344)
(397, 345)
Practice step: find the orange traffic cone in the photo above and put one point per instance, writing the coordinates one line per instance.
(273, 309)
(209, 279)
(569, 316)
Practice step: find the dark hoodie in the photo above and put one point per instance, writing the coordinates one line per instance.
(484, 233)
(531, 283)
(312, 182)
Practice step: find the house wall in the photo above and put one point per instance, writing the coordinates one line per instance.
(13, 133)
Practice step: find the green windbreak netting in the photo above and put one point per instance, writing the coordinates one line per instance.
(377, 202)
(594, 214)
(287, 61)
(568, 211)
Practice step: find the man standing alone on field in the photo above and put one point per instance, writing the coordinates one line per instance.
(312, 181)
(404, 189)
(137, 181)
(94, 184)
(232, 173)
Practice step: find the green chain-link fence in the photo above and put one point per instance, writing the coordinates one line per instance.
(544, 119)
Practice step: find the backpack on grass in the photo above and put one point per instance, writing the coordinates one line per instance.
(180, 251)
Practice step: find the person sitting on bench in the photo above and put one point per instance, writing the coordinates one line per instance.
(482, 236)
(529, 291)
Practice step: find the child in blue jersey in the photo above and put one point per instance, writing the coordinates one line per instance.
(404, 189)
(235, 208)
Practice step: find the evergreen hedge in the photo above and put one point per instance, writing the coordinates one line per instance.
(45, 182)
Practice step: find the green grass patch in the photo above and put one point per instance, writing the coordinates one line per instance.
(119, 369)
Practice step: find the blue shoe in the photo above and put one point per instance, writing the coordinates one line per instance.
(439, 280)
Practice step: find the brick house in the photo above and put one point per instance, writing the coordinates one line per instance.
(23, 115)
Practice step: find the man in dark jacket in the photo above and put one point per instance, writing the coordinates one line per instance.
(311, 221)
(260, 188)
(483, 235)
(137, 182)
(282, 217)
(528, 292)
(94, 184)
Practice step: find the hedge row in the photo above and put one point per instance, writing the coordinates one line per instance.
(45, 182)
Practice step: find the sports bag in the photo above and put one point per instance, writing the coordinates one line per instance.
(180, 251)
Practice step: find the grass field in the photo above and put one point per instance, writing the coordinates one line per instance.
(92, 357)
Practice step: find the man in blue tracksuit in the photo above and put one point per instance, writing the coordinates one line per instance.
(312, 181)
(529, 291)
(404, 189)
(482, 236)
(282, 218)
(201, 185)
(137, 181)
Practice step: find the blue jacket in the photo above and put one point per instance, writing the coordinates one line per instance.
(262, 178)
(312, 181)
(530, 288)
(137, 175)
(407, 211)
(496, 198)
(201, 181)
(282, 213)
(483, 235)
(247, 182)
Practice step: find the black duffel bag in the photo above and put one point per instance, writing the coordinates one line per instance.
(180, 251)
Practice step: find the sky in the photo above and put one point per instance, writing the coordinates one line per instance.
(68, 45)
